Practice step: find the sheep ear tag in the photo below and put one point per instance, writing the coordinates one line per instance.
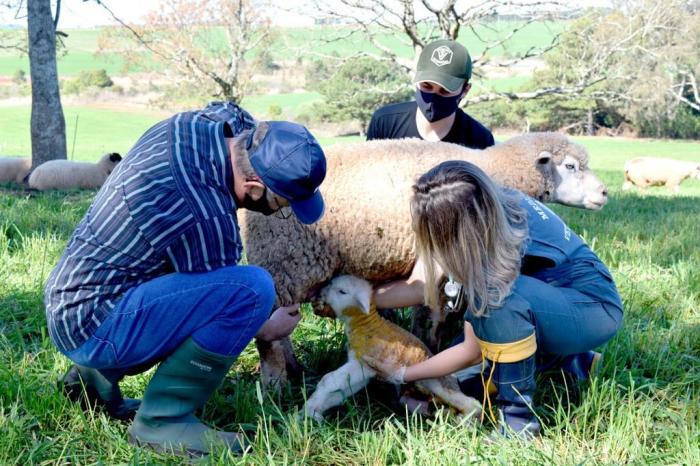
(453, 291)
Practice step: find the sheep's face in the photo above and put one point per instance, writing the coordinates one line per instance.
(577, 186)
(110, 161)
(344, 296)
(697, 172)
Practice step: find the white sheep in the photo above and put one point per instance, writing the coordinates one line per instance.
(14, 169)
(366, 230)
(648, 171)
(370, 337)
(66, 174)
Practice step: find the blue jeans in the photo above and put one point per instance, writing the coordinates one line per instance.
(221, 310)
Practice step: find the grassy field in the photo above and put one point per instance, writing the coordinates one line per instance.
(81, 45)
(643, 408)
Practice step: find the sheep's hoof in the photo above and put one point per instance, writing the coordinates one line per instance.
(310, 414)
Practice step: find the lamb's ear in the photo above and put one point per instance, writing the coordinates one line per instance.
(544, 158)
(114, 157)
(362, 299)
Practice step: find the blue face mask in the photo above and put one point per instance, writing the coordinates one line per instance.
(435, 107)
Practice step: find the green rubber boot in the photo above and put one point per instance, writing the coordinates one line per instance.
(183, 383)
(99, 388)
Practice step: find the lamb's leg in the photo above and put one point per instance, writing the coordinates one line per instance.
(336, 386)
(273, 369)
(437, 318)
(420, 322)
(294, 369)
(447, 390)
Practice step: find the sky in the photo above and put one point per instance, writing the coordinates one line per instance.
(80, 14)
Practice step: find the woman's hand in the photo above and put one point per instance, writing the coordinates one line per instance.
(386, 371)
(280, 324)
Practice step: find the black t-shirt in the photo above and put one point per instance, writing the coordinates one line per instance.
(398, 121)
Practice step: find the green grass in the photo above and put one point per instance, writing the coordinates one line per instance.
(98, 130)
(82, 45)
(642, 408)
(292, 104)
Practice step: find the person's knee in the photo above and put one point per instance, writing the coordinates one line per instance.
(610, 326)
(509, 323)
(261, 282)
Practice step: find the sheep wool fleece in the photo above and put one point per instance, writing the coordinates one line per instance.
(366, 230)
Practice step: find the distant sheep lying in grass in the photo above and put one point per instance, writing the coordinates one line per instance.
(647, 171)
(65, 174)
(371, 337)
(14, 169)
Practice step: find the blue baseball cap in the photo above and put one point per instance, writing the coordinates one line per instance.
(291, 163)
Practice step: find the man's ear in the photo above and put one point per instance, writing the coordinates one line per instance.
(254, 189)
(467, 87)
(260, 132)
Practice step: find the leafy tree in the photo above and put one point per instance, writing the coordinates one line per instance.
(19, 77)
(360, 85)
(644, 58)
(212, 44)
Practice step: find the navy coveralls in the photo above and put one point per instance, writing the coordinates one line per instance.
(564, 302)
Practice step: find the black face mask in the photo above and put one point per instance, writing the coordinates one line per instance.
(261, 205)
(436, 107)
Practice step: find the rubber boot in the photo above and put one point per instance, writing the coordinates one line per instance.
(516, 387)
(183, 383)
(99, 388)
(580, 366)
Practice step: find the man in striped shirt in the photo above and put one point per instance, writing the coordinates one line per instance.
(150, 274)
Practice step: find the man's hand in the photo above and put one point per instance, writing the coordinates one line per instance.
(280, 324)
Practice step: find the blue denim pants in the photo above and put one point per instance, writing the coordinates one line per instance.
(221, 310)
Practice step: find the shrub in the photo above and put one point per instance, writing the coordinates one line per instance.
(94, 78)
(274, 112)
(19, 77)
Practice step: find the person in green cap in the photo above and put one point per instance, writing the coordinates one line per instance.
(442, 80)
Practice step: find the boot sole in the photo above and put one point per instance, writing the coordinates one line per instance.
(158, 448)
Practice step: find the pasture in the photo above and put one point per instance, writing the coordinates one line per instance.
(642, 408)
(82, 45)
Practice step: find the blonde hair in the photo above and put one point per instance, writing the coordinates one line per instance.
(473, 229)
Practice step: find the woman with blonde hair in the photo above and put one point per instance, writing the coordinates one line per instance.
(529, 287)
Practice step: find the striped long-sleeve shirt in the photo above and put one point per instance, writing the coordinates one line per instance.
(167, 207)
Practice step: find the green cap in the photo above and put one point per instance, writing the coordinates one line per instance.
(446, 63)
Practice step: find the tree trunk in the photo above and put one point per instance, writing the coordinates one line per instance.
(48, 126)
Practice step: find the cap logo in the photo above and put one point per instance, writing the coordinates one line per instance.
(441, 56)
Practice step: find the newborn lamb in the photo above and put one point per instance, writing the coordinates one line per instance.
(370, 337)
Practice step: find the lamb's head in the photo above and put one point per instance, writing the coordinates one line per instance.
(344, 296)
(109, 161)
(573, 182)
